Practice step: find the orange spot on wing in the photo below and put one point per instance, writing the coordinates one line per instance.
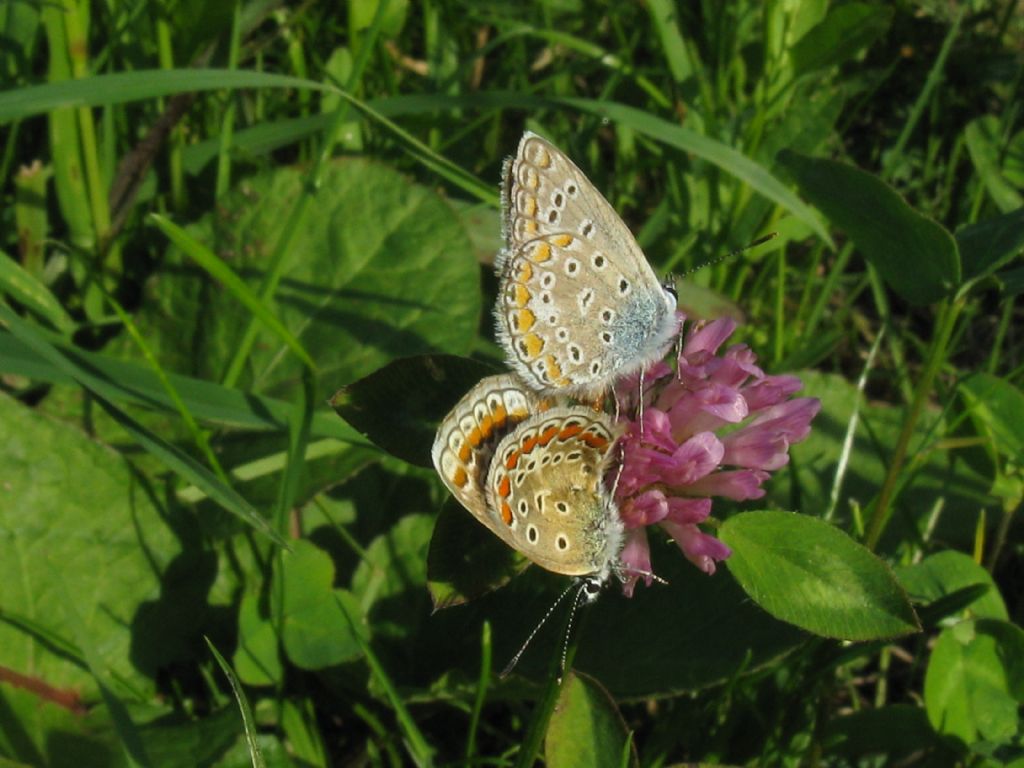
(562, 241)
(530, 206)
(486, 426)
(520, 295)
(505, 487)
(571, 431)
(460, 478)
(547, 435)
(474, 437)
(594, 441)
(499, 415)
(464, 453)
(512, 461)
(541, 253)
(533, 345)
(525, 271)
(553, 368)
(526, 320)
(506, 513)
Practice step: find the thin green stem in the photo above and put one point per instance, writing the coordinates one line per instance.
(481, 691)
(949, 311)
(227, 126)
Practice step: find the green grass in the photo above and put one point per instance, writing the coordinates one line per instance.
(214, 216)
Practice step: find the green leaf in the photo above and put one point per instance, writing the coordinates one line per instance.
(989, 245)
(314, 630)
(21, 286)
(944, 573)
(400, 406)
(122, 87)
(996, 408)
(915, 255)
(234, 285)
(257, 660)
(842, 34)
(985, 145)
(975, 681)
(811, 574)
(586, 728)
(381, 268)
(389, 580)
(136, 384)
(75, 510)
(466, 560)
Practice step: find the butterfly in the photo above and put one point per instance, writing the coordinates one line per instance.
(535, 477)
(578, 305)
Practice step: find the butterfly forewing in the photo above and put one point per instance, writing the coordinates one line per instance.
(466, 439)
(545, 490)
(579, 305)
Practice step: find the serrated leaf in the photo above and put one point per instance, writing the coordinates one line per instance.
(586, 729)
(314, 631)
(915, 255)
(399, 406)
(974, 685)
(811, 574)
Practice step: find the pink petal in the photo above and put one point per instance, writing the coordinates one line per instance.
(755, 448)
(791, 418)
(688, 511)
(700, 548)
(770, 391)
(738, 485)
(704, 410)
(646, 508)
(694, 459)
(708, 338)
(635, 560)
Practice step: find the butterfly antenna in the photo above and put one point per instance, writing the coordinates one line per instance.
(576, 603)
(522, 649)
(731, 254)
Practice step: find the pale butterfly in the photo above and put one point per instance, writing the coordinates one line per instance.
(578, 305)
(534, 477)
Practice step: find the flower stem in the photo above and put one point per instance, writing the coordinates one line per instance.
(949, 311)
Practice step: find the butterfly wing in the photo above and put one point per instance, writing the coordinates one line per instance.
(467, 437)
(545, 488)
(579, 305)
